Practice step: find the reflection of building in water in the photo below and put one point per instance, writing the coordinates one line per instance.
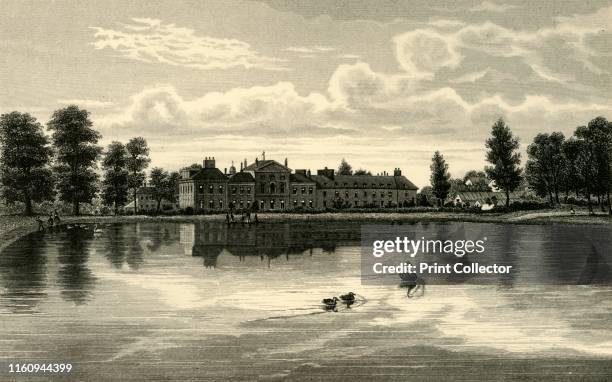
(186, 237)
(267, 240)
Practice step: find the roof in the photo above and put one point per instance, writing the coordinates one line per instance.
(261, 164)
(209, 174)
(473, 196)
(241, 177)
(364, 181)
(299, 178)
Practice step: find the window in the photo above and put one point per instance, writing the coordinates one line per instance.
(220, 189)
(201, 189)
(390, 193)
(355, 203)
(272, 188)
(310, 190)
(282, 204)
(282, 188)
(310, 203)
(248, 190)
(365, 194)
(355, 193)
(303, 190)
(324, 194)
(282, 177)
(261, 205)
(303, 203)
(337, 193)
(234, 190)
(241, 204)
(241, 190)
(211, 204)
(294, 190)
(210, 189)
(346, 194)
(272, 204)
(294, 203)
(271, 176)
(262, 188)
(221, 204)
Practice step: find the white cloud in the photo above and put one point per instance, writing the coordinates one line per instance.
(151, 40)
(88, 103)
(422, 52)
(488, 6)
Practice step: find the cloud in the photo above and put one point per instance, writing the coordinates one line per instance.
(422, 52)
(87, 103)
(506, 73)
(305, 49)
(488, 6)
(151, 40)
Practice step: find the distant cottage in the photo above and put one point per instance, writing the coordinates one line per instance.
(267, 185)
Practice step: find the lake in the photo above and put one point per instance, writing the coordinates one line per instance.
(204, 301)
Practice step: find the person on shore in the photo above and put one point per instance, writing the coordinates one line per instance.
(50, 221)
(248, 216)
(41, 225)
(227, 218)
(56, 217)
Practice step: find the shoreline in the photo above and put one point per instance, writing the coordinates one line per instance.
(14, 227)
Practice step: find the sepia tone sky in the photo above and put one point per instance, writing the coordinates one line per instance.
(381, 83)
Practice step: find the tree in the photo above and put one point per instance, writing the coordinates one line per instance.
(24, 161)
(505, 159)
(115, 183)
(594, 158)
(424, 196)
(362, 172)
(545, 165)
(76, 154)
(572, 179)
(440, 178)
(345, 168)
(159, 181)
(476, 181)
(173, 181)
(138, 160)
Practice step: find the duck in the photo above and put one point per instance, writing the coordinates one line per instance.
(349, 297)
(97, 230)
(330, 303)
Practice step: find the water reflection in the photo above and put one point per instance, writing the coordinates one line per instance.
(265, 240)
(74, 276)
(23, 273)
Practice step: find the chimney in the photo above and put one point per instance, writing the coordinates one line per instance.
(308, 173)
(225, 171)
(286, 163)
(397, 172)
(209, 162)
(256, 161)
(232, 169)
(241, 166)
(245, 163)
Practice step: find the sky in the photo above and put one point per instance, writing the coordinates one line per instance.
(383, 83)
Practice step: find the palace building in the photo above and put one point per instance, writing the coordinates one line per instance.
(267, 185)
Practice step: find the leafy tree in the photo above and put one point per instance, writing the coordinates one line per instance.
(163, 185)
(476, 181)
(345, 168)
(362, 172)
(424, 196)
(138, 160)
(440, 178)
(173, 181)
(115, 183)
(545, 165)
(594, 158)
(24, 161)
(572, 179)
(505, 159)
(76, 154)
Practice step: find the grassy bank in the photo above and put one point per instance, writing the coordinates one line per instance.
(12, 227)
